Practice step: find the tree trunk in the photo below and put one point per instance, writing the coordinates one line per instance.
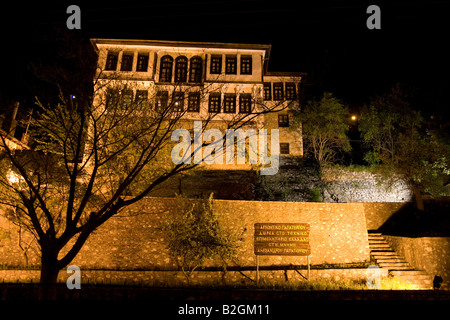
(418, 197)
(49, 276)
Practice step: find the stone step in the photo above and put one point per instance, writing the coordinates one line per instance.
(409, 273)
(382, 251)
(380, 245)
(390, 260)
(394, 265)
(399, 268)
(374, 242)
(415, 277)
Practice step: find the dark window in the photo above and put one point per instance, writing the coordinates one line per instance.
(181, 69)
(127, 62)
(165, 74)
(267, 91)
(195, 71)
(142, 63)
(229, 103)
(230, 65)
(141, 99)
(112, 98)
(178, 101)
(214, 102)
(245, 103)
(162, 98)
(283, 120)
(290, 91)
(284, 148)
(127, 99)
(216, 65)
(111, 61)
(194, 102)
(246, 64)
(278, 91)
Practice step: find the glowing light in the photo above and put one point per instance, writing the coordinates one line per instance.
(353, 118)
(13, 177)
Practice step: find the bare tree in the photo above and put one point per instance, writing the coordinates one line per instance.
(94, 157)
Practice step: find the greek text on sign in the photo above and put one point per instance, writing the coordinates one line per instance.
(282, 239)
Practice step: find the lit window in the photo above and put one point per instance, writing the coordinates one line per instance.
(162, 98)
(290, 91)
(245, 103)
(127, 99)
(142, 63)
(283, 120)
(214, 102)
(181, 69)
(142, 99)
(194, 102)
(165, 74)
(195, 71)
(229, 103)
(278, 91)
(230, 65)
(127, 62)
(216, 65)
(267, 91)
(246, 64)
(284, 148)
(178, 101)
(111, 61)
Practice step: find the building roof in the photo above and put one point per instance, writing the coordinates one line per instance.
(165, 43)
(265, 47)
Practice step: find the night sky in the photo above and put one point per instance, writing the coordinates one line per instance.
(327, 39)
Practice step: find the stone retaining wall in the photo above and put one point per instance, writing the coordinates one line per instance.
(134, 239)
(176, 278)
(431, 254)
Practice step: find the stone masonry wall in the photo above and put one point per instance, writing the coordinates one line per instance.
(341, 185)
(133, 240)
(431, 254)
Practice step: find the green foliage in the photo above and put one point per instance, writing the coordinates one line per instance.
(388, 116)
(195, 235)
(403, 145)
(316, 195)
(371, 158)
(324, 126)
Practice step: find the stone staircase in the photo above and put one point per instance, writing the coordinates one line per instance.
(386, 257)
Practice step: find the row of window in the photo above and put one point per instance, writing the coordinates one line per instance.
(181, 69)
(280, 91)
(124, 99)
(181, 65)
(231, 64)
(127, 61)
(215, 104)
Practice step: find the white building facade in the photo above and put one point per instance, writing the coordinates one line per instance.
(228, 80)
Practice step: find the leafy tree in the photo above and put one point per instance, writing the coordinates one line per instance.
(403, 145)
(324, 125)
(194, 235)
